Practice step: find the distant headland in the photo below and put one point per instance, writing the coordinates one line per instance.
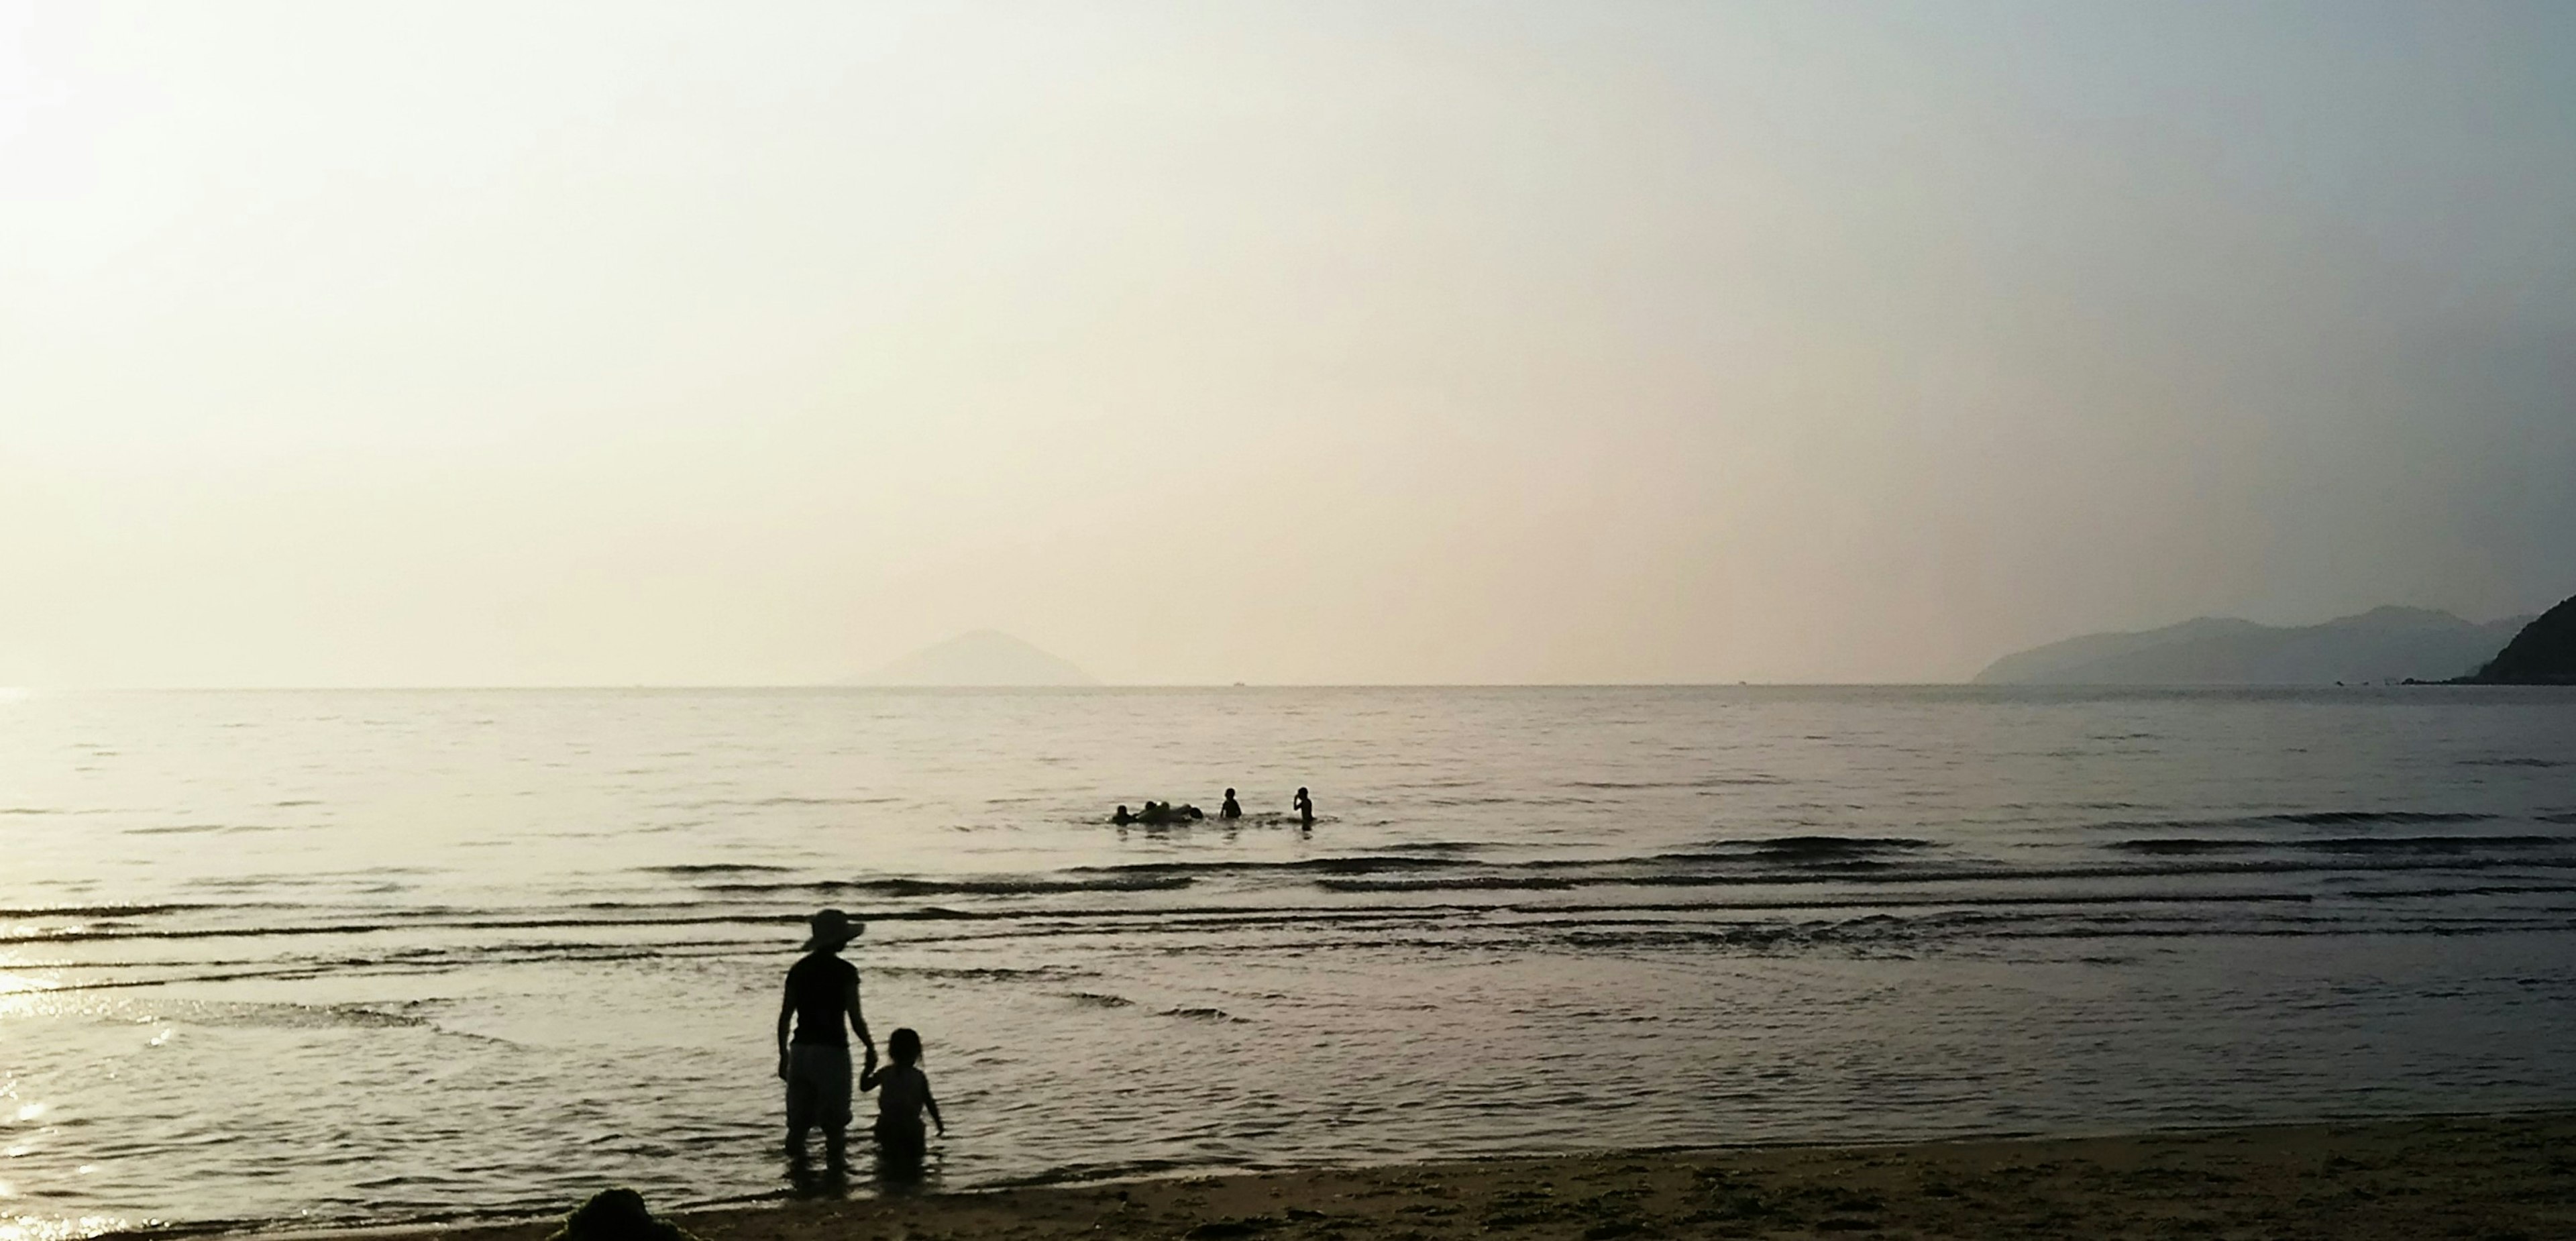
(2381, 645)
(984, 657)
(2544, 653)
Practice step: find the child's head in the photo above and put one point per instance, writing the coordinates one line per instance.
(905, 1046)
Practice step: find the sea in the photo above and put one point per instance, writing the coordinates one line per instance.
(287, 959)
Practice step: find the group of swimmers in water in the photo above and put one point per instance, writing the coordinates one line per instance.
(1163, 813)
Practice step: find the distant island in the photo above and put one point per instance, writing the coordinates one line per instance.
(2544, 653)
(982, 658)
(2383, 644)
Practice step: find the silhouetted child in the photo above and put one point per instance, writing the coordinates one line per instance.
(1232, 809)
(903, 1094)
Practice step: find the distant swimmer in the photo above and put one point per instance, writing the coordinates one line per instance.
(1305, 807)
(1232, 809)
(1122, 818)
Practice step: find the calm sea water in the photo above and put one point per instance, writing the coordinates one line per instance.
(342, 957)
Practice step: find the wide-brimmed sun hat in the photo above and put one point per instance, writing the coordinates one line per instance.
(832, 928)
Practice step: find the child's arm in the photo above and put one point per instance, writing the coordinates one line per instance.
(933, 1104)
(870, 1076)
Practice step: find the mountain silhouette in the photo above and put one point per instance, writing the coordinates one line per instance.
(2383, 644)
(2544, 653)
(984, 657)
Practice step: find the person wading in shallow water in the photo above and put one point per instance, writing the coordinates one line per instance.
(1305, 807)
(822, 990)
(903, 1093)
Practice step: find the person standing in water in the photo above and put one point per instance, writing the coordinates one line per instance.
(822, 992)
(903, 1093)
(1232, 809)
(1305, 807)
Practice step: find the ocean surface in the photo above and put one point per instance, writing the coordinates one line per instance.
(348, 957)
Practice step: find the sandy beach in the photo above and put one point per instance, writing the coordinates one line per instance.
(2489, 1178)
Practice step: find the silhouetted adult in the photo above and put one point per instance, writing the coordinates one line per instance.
(1305, 807)
(822, 991)
(1232, 809)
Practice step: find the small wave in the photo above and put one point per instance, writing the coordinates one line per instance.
(302, 1016)
(1000, 886)
(1796, 848)
(414, 924)
(1099, 1000)
(1361, 865)
(1468, 883)
(984, 973)
(1202, 1014)
(2332, 818)
(2306, 818)
(2511, 762)
(95, 911)
(714, 868)
(2343, 844)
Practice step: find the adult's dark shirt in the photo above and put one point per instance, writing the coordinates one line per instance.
(819, 986)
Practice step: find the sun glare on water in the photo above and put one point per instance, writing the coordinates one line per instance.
(69, 1228)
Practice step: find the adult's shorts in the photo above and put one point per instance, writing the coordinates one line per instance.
(818, 1086)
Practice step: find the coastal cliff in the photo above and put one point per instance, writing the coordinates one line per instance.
(2544, 653)
(2384, 644)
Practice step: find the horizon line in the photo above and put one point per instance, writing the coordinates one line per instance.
(498, 687)
(8, 691)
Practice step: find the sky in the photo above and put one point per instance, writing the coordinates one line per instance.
(620, 343)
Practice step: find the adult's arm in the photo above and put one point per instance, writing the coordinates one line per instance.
(786, 1011)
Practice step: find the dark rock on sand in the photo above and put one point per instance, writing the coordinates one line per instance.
(617, 1215)
(2544, 653)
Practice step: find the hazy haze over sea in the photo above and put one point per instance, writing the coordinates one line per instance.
(397, 955)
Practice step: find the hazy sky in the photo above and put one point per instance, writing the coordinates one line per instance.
(454, 344)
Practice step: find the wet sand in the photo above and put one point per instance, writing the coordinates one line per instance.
(2483, 1178)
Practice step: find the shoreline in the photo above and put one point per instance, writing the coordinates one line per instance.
(2490, 1177)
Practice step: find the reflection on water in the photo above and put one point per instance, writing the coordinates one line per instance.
(370, 956)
